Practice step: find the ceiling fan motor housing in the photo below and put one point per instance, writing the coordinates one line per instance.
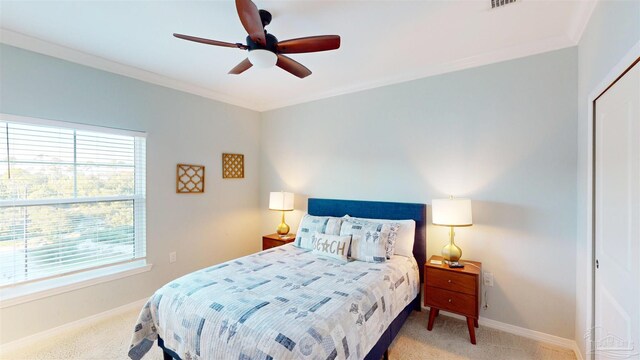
(272, 42)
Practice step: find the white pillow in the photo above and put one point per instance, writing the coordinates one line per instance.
(309, 225)
(333, 246)
(368, 240)
(405, 237)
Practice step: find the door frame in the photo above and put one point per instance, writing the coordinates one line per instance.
(626, 63)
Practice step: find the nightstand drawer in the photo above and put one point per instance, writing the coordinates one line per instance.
(274, 240)
(451, 280)
(270, 243)
(463, 304)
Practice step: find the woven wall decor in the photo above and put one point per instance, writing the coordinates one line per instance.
(189, 179)
(232, 166)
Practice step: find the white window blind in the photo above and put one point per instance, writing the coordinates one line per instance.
(72, 198)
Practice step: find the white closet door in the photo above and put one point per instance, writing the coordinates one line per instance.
(617, 220)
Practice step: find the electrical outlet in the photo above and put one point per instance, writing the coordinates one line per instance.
(488, 278)
(172, 257)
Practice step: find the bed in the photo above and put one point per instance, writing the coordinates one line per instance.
(287, 303)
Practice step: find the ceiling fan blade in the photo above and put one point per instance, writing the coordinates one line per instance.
(309, 44)
(250, 19)
(209, 41)
(242, 67)
(292, 66)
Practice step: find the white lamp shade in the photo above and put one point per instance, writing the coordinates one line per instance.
(281, 200)
(262, 58)
(451, 212)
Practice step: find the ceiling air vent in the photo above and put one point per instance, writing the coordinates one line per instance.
(499, 3)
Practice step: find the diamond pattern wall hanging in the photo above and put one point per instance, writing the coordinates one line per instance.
(232, 166)
(189, 179)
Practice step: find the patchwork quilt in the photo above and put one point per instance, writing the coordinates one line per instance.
(282, 303)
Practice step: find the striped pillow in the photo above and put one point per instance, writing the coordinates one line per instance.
(394, 230)
(369, 240)
(309, 225)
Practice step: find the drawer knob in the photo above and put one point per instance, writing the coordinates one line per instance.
(449, 281)
(449, 300)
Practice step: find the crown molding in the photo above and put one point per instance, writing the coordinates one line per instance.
(500, 55)
(61, 52)
(514, 52)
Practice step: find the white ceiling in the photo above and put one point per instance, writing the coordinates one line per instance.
(383, 42)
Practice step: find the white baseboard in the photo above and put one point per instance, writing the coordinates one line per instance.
(524, 332)
(35, 338)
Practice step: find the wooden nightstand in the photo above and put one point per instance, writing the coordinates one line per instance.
(273, 240)
(453, 290)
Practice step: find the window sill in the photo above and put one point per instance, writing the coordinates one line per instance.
(24, 293)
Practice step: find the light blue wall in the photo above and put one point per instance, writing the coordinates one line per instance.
(204, 229)
(503, 135)
(613, 29)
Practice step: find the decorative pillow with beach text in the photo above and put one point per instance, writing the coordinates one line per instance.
(333, 246)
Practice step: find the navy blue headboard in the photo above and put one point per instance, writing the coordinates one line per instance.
(380, 210)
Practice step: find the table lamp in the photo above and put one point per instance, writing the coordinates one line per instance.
(281, 201)
(453, 213)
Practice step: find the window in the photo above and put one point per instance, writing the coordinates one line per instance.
(72, 198)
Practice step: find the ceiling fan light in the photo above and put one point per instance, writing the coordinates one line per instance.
(261, 58)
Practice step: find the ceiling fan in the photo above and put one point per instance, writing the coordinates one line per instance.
(264, 49)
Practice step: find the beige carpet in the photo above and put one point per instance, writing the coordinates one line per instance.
(109, 339)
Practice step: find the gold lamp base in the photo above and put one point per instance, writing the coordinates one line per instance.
(451, 252)
(283, 228)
